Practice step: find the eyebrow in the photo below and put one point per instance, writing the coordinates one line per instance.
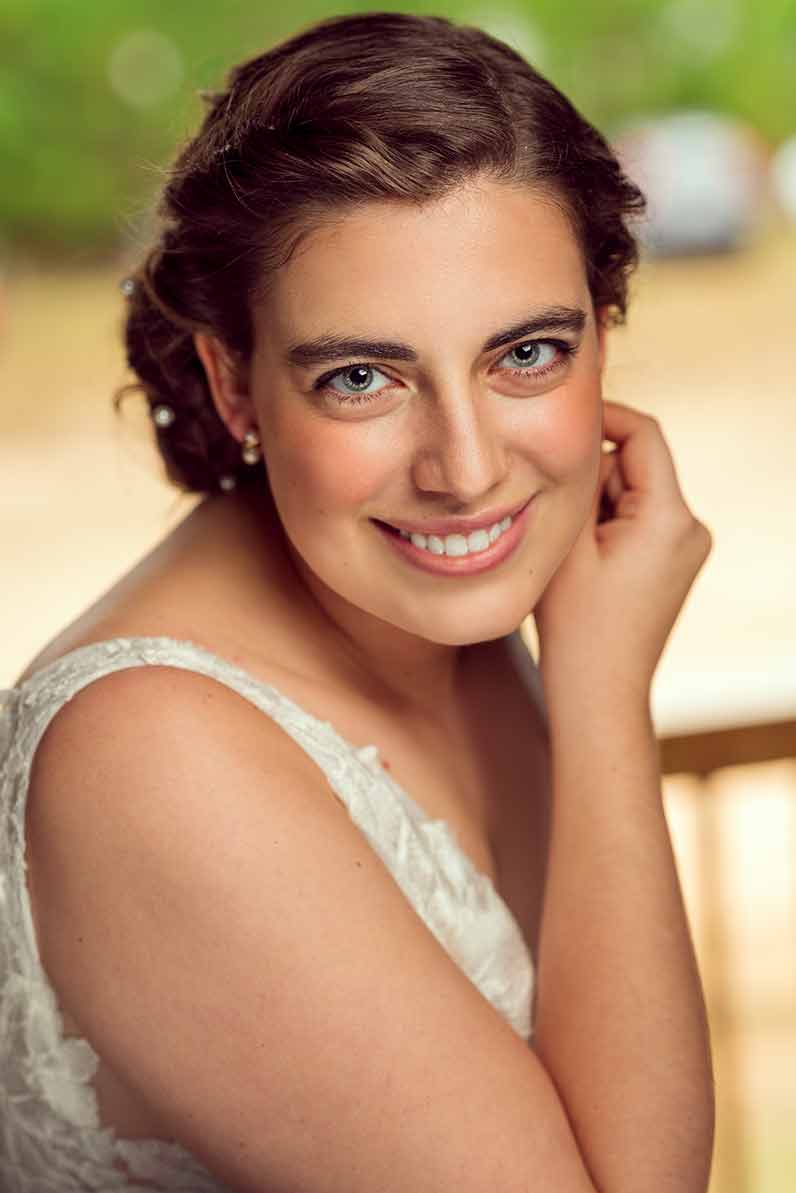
(326, 348)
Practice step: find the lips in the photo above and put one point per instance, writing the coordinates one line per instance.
(465, 526)
(458, 566)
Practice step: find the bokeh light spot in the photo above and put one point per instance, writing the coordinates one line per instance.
(145, 67)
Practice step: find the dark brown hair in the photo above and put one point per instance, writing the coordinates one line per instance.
(387, 107)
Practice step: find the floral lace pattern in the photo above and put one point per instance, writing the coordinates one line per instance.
(51, 1137)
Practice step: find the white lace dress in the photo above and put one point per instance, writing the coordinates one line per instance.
(51, 1137)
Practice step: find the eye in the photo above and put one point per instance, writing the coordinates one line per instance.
(543, 357)
(361, 378)
(539, 357)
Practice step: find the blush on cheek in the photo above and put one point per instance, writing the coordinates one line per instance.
(325, 474)
(567, 443)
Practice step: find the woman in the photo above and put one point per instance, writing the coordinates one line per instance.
(372, 333)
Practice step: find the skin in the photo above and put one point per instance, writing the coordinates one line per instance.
(452, 434)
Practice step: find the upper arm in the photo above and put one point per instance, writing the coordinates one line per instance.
(234, 949)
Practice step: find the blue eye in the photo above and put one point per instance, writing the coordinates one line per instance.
(544, 356)
(360, 393)
(540, 352)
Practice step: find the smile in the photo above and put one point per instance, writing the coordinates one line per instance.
(459, 554)
(459, 544)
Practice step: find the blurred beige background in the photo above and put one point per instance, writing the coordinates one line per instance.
(710, 350)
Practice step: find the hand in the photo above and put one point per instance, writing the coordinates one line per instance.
(605, 615)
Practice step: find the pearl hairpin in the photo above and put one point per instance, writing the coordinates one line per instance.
(163, 416)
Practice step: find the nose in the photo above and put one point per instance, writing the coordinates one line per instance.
(460, 448)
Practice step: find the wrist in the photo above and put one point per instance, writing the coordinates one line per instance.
(596, 697)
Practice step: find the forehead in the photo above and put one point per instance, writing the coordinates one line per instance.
(483, 250)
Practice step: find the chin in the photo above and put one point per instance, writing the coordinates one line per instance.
(487, 621)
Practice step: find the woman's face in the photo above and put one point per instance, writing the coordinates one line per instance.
(447, 426)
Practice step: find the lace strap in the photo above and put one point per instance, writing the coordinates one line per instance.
(32, 705)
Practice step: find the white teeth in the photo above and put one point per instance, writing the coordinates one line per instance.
(459, 544)
(477, 541)
(456, 544)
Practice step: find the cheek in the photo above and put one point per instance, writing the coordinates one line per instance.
(323, 467)
(567, 439)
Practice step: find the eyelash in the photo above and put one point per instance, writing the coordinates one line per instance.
(566, 350)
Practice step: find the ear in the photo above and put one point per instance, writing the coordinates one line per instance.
(224, 378)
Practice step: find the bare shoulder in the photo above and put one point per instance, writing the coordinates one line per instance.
(234, 949)
(161, 721)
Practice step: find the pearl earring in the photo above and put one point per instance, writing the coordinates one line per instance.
(250, 451)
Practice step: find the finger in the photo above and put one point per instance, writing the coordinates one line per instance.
(602, 503)
(627, 505)
(644, 455)
(613, 480)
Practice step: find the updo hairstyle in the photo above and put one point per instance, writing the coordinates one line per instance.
(356, 109)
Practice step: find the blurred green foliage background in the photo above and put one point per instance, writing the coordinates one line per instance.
(96, 96)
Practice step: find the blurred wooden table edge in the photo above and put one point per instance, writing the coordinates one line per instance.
(726, 716)
(703, 751)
